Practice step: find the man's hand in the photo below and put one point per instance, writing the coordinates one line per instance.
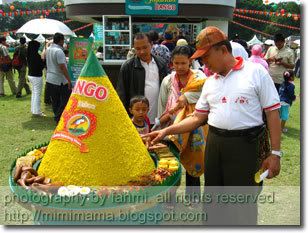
(146, 140)
(272, 163)
(66, 75)
(69, 85)
(155, 136)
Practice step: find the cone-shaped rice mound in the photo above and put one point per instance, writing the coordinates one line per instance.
(95, 142)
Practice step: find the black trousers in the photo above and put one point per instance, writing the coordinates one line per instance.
(192, 185)
(47, 95)
(59, 97)
(230, 166)
(277, 87)
(297, 68)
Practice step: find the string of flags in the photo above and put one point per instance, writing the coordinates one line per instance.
(264, 21)
(83, 27)
(281, 13)
(250, 28)
(32, 12)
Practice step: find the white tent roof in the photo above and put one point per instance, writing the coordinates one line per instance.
(40, 38)
(254, 41)
(9, 39)
(27, 38)
(298, 42)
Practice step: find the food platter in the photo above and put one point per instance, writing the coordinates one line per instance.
(137, 196)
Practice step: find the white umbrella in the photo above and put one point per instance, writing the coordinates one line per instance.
(45, 26)
(40, 38)
(27, 38)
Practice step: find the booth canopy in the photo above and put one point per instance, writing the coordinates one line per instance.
(27, 38)
(40, 38)
(10, 40)
(298, 42)
(254, 41)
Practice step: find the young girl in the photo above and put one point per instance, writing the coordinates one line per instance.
(287, 96)
(139, 107)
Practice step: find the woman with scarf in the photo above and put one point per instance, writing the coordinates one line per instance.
(179, 93)
(256, 53)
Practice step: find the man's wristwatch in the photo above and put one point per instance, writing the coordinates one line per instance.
(277, 152)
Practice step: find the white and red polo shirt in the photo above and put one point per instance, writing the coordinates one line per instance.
(236, 101)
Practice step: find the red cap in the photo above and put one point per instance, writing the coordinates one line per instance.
(208, 37)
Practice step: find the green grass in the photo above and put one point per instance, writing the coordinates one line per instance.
(20, 131)
(286, 186)
(290, 145)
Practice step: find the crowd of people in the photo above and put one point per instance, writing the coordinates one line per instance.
(143, 72)
(216, 95)
(243, 95)
(53, 58)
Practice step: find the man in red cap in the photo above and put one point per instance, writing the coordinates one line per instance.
(232, 102)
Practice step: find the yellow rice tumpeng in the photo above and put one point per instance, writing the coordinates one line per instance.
(116, 153)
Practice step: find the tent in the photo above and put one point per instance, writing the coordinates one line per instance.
(10, 40)
(40, 38)
(290, 41)
(298, 42)
(27, 38)
(254, 41)
(92, 37)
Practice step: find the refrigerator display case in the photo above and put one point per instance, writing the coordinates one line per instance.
(116, 38)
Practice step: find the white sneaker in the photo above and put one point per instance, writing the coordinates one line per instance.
(284, 130)
(39, 115)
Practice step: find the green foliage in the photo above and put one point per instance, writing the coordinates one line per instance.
(289, 7)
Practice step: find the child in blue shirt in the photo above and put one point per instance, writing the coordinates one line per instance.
(139, 108)
(287, 96)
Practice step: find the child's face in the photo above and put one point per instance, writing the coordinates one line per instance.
(139, 111)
